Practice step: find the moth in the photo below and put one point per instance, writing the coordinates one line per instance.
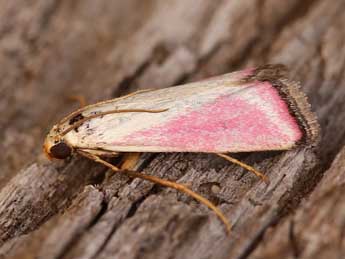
(256, 109)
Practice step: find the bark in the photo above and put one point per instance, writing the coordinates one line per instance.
(52, 49)
(317, 228)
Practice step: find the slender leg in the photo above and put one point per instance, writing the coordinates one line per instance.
(245, 166)
(166, 183)
(81, 121)
(101, 103)
(130, 160)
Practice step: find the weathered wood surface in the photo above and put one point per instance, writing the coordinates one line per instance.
(317, 228)
(52, 49)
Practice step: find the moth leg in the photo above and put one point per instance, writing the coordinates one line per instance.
(166, 183)
(81, 121)
(99, 152)
(79, 98)
(130, 160)
(83, 106)
(245, 166)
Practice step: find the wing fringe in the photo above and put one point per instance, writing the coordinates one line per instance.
(296, 100)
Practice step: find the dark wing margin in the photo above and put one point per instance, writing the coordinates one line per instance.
(296, 100)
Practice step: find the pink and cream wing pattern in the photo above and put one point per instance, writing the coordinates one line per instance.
(251, 110)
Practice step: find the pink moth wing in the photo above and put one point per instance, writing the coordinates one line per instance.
(250, 110)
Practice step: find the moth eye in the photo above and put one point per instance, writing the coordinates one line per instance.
(60, 150)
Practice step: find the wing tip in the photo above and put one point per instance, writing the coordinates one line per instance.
(300, 107)
(297, 101)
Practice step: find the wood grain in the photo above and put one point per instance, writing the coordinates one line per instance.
(317, 229)
(50, 50)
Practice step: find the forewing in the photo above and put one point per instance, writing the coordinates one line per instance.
(224, 114)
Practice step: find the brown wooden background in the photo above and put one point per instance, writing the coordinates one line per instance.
(52, 49)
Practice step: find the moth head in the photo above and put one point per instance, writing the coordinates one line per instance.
(55, 147)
